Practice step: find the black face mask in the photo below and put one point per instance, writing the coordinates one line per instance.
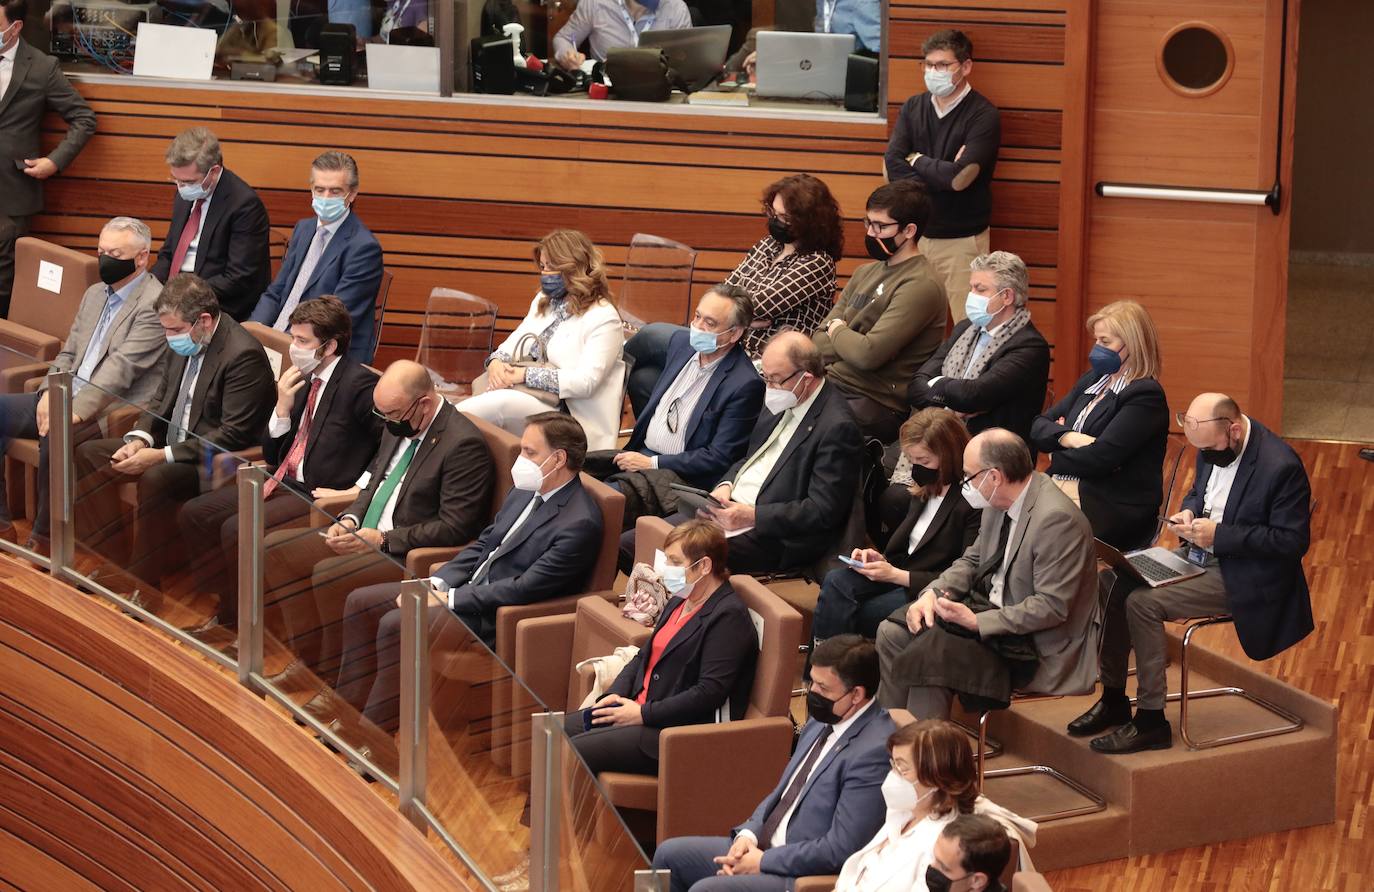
(881, 248)
(780, 231)
(936, 881)
(402, 428)
(821, 709)
(923, 476)
(1221, 458)
(112, 269)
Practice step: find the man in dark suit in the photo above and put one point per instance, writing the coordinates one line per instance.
(791, 497)
(322, 434)
(31, 85)
(330, 253)
(699, 417)
(542, 544)
(214, 393)
(219, 226)
(994, 367)
(429, 485)
(829, 800)
(115, 343)
(1246, 520)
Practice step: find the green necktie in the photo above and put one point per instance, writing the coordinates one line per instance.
(383, 493)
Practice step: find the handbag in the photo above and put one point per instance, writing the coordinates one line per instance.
(522, 349)
(640, 74)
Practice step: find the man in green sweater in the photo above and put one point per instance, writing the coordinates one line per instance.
(891, 316)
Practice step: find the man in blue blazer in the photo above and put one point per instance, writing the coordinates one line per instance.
(829, 800)
(1247, 519)
(330, 253)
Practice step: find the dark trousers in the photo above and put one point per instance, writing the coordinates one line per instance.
(17, 422)
(649, 350)
(613, 749)
(689, 862)
(11, 228)
(850, 603)
(875, 420)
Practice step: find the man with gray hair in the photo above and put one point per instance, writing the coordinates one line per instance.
(994, 367)
(114, 342)
(331, 252)
(219, 226)
(1013, 613)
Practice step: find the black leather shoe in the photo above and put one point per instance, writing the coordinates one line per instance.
(1367, 454)
(1101, 717)
(1130, 739)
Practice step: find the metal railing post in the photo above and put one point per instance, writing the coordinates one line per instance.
(414, 737)
(60, 480)
(250, 482)
(546, 800)
(651, 880)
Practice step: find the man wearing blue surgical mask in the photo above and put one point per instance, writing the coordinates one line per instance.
(948, 138)
(331, 252)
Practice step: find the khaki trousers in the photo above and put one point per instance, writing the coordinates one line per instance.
(949, 258)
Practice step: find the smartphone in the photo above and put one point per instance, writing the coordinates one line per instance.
(849, 561)
(19, 163)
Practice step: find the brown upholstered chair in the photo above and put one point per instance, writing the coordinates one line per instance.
(379, 311)
(40, 319)
(269, 337)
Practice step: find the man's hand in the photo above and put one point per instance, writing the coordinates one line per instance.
(135, 457)
(880, 570)
(834, 324)
(750, 61)
(614, 710)
(1181, 524)
(633, 461)
(1202, 532)
(288, 385)
(956, 613)
(959, 154)
(921, 614)
(39, 168)
(745, 865)
(324, 492)
(1075, 440)
(360, 541)
(40, 414)
(569, 60)
(733, 516)
(722, 492)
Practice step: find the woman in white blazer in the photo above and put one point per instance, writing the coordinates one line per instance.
(574, 332)
(933, 780)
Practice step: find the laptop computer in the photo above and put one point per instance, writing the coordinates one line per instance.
(696, 54)
(1153, 566)
(802, 66)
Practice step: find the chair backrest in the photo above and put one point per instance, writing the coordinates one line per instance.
(270, 338)
(457, 338)
(1174, 475)
(49, 281)
(777, 665)
(598, 629)
(612, 505)
(277, 242)
(504, 447)
(379, 310)
(658, 281)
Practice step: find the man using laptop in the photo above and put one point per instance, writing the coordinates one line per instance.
(609, 24)
(1246, 520)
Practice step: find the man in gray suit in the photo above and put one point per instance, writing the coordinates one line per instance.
(31, 85)
(114, 343)
(1018, 611)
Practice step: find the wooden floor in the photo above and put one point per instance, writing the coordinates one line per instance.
(1336, 662)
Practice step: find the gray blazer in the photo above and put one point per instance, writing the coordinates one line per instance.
(129, 355)
(37, 86)
(1049, 590)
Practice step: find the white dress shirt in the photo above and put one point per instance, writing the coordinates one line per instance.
(686, 389)
(1014, 512)
(188, 264)
(278, 426)
(924, 521)
(1219, 483)
(7, 67)
(184, 422)
(385, 523)
(95, 347)
(754, 473)
(942, 112)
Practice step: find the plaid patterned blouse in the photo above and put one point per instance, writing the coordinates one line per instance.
(796, 292)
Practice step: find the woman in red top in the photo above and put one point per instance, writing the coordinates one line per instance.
(699, 662)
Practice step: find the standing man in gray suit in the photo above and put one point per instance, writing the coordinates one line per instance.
(1017, 611)
(115, 342)
(31, 85)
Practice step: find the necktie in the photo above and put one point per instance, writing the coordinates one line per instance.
(312, 259)
(176, 433)
(188, 234)
(383, 493)
(480, 576)
(296, 453)
(793, 791)
(767, 444)
(992, 561)
(96, 345)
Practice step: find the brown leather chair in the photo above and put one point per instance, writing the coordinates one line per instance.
(379, 311)
(696, 791)
(269, 337)
(39, 319)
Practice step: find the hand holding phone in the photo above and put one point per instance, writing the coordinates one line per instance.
(849, 561)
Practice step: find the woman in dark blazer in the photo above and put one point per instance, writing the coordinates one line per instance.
(1107, 438)
(700, 660)
(938, 527)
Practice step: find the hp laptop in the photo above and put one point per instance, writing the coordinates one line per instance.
(1153, 566)
(802, 66)
(696, 54)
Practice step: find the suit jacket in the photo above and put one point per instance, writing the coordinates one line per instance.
(446, 493)
(1009, 393)
(344, 432)
(840, 807)
(350, 269)
(1050, 587)
(233, 396)
(1120, 476)
(232, 255)
(708, 664)
(718, 431)
(37, 86)
(806, 502)
(550, 556)
(133, 348)
(1260, 542)
(953, 529)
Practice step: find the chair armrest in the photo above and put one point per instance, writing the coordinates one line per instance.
(543, 656)
(1025, 881)
(815, 884)
(327, 508)
(509, 618)
(122, 419)
(29, 341)
(22, 378)
(759, 750)
(419, 560)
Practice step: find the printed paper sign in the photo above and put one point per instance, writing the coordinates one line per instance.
(50, 277)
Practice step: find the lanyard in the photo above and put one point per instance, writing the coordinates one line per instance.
(827, 13)
(647, 20)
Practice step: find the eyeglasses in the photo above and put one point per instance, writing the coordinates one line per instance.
(673, 419)
(941, 66)
(784, 219)
(1191, 424)
(778, 382)
(902, 768)
(875, 227)
(972, 477)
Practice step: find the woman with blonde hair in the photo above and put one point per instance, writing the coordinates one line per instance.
(566, 353)
(933, 781)
(1107, 437)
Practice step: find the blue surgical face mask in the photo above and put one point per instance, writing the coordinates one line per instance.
(552, 285)
(976, 309)
(329, 209)
(1104, 360)
(194, 191)
(651, 5)
(940, 83)
(705, 341)
(184, 344)
(674, 579)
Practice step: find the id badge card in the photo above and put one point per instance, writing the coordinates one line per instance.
(1196, 555)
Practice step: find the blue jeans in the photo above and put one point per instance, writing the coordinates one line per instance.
(848, 602)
